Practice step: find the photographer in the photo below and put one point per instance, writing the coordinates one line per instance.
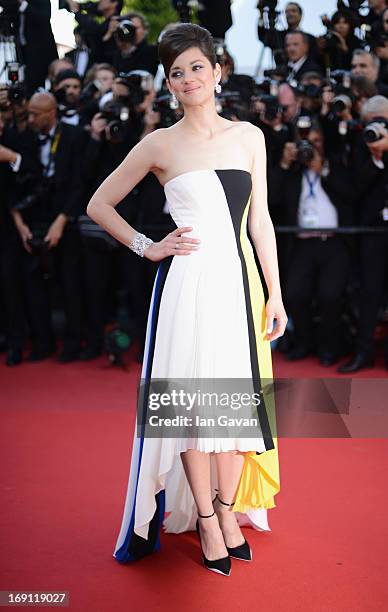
(45, 220)
(275, 38)
(37, 41)
(368, 65)
(310, 192)
(113, 132)
(132, 51)
(338, 44)
(101, 43)
(381, 47)
(268, 116)
(67, 92)
(81, 55)
(370, 175)
(16, 164)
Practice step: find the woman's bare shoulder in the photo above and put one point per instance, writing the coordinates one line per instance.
(251, 131)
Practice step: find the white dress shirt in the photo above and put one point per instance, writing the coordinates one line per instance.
(315, 207)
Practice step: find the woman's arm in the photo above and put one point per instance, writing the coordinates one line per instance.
(263, 234)
(101, 208)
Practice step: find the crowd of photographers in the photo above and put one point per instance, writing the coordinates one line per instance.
(324, 113)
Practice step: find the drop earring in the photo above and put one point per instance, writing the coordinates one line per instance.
(217, 88)
(174, 104)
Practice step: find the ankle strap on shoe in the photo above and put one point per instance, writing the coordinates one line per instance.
(206, 516)
(222, 502)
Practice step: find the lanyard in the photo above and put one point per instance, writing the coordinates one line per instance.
(53, 149)
(311, 183)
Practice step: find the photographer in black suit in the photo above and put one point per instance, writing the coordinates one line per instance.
(45, 218)
(37, 41)
(132, 51)
(97, 34)
(370, 175)
(310, 191)
(274, 38)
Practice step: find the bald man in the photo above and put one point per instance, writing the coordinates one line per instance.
(55, 203)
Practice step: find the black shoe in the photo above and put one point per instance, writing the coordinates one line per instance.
(90, 352)
(69, 354)
(359, 361)
(327, 358)
(221, 566)
(300, 352)
(243, 551)
(14, 357)
(38, 354)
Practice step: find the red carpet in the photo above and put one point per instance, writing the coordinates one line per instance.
(66, 438)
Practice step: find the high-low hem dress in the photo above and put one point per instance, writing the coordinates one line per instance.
(206, 320)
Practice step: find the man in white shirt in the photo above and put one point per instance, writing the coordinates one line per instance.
(314, 195)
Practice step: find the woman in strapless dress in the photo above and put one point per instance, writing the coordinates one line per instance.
(208, 319)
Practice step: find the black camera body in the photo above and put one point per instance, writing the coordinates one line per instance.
(117, 116)
(272, 106)
(126, 31)
(38, 245)
(305, 150)
(165, 105)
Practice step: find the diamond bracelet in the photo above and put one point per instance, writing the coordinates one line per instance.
(140, 243)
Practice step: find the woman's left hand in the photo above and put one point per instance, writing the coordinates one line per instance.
(275, 310)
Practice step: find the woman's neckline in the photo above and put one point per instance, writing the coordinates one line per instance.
(205, 170)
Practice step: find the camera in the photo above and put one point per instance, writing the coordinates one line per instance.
(310, 91)
(272, 107)
(39, 192)
(117, 117)
(38, 245)
(305, 150)
(139, 83)
(375, 130)
(89, 91)
(165, 105)
(230, 104)
(126, 31)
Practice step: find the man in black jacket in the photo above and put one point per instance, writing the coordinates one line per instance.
(315, 194)
(371, 181)
(37, 41)
(299, 57)
(135, 54)
(96, 34)
(49, 213)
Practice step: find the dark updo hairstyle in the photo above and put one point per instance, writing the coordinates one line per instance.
(183, 36)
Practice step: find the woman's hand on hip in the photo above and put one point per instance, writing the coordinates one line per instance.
(173, 244)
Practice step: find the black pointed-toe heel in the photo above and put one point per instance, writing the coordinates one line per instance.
(242, 552)
(221, 566)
